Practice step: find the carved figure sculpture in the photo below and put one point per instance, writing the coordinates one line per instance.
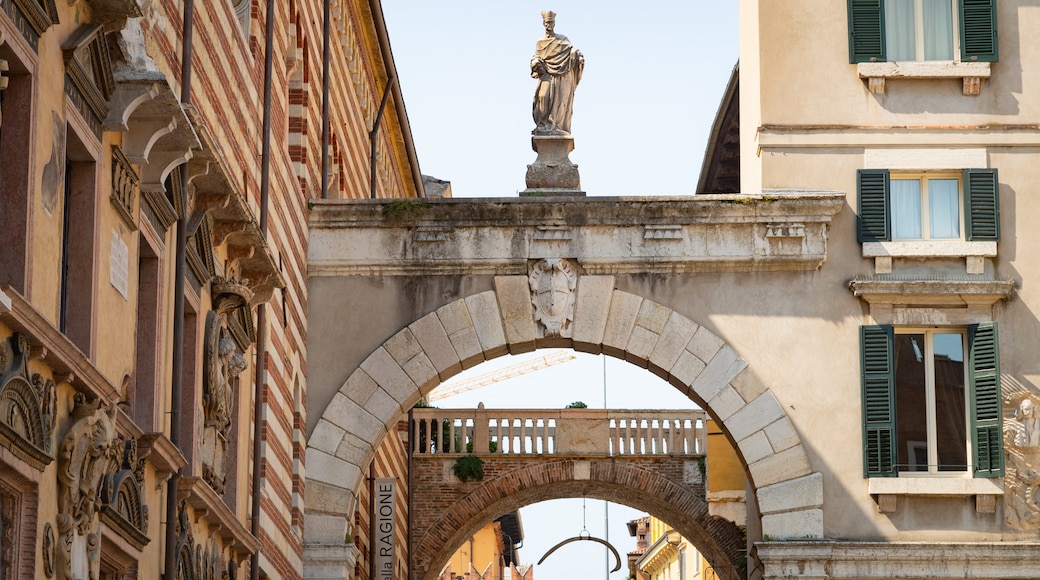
(224, 362)
(557, 65)
(552, 282)
(1022, 474)
(89, 450)
(1028, 417)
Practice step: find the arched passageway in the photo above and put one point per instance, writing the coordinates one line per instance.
(463, 333)
(669, 487)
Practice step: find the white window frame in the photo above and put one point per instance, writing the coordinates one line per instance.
(923, 177)
(931, 417)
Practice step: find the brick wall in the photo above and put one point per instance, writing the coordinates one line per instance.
(445, 511)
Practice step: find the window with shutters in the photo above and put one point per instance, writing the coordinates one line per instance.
(928, 38)
(931, 401)
(929, 214)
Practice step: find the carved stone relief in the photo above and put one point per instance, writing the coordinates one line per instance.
(27, 405)
(187, 564)
(90, 449)
(48, 550)
(224, 361)
(553, 281)
(8, 537)
(122, 505)
(1022, 468)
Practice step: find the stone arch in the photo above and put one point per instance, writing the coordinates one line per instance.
(468, 331)
(618, 481)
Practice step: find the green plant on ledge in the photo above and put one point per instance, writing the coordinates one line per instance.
(577, 405)
(404, 208)
(469, 468)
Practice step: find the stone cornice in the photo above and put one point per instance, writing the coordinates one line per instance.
(776, 230)
(860, 560)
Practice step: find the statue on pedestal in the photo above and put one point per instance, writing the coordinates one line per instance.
(558, 66)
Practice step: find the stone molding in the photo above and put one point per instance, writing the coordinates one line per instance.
(486, 325)
(864, 137)
(777, 230)
(812, 560)
(55, 349)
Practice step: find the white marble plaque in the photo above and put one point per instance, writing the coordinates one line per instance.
(119, 265)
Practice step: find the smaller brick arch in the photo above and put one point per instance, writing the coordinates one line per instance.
(450, 513)
(466, 332)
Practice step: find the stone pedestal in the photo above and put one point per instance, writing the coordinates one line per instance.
(552, 173)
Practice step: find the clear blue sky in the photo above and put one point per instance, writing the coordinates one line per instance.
(654, 74)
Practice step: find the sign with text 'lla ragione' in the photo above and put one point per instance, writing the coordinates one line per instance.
(384, 528)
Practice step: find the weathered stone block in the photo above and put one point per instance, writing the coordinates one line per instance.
(795, 494)
(434, 341)
(720, 371)
(582, 470)
(640, 345)
(705, 344)
(726, 402)
(385, 371)
(755, 416)
(591, 307)
(782, 434)
(421, 371)
(384, 408)
(487, 321)
(780, 467)
(353, 418)
(324, 498)
(755, 447)
(326, 437)
(583, 436)
(403, 346)
(806, 524)
(324, 529)
(328, 469)
(676, 335)
(686, 368)
(748, 385)
(514, 302)
(359, 386)
(621, 318)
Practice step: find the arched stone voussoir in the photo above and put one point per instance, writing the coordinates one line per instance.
(388, 374)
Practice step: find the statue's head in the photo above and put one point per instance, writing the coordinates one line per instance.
(549, 19)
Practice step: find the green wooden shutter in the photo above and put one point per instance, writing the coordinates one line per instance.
(984, 382)
(978, 30)
(866, 30)
(981, 204)
(872, 191)
(879, 401)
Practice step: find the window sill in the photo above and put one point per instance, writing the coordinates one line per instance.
(973, 252)
(888, 489)
(971, 73)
